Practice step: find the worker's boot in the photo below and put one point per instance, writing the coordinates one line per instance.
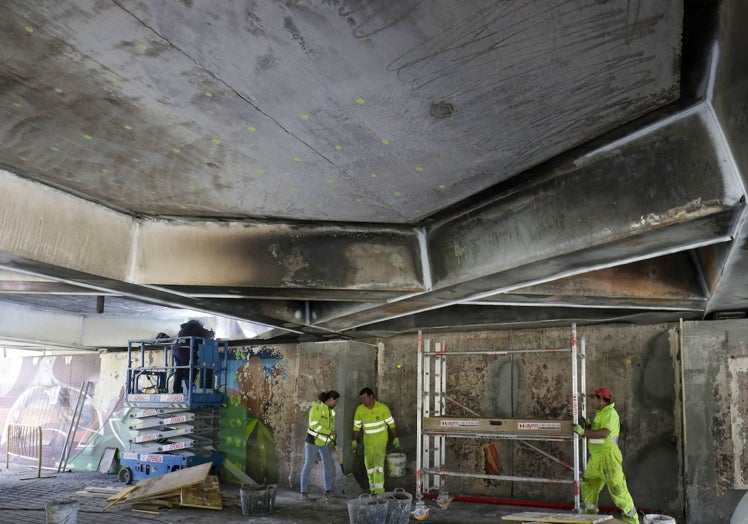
(591, 509)
(630, 517)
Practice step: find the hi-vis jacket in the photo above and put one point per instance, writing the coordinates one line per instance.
(374, 421)
(605, 418)
(321, 423)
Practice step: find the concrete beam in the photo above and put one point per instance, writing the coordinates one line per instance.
(248, 254)
(614, 206)
(727, 99)
(32, 326)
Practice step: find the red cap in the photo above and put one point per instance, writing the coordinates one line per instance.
(602, 392)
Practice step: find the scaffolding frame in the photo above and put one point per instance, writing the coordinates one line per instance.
(434, 426)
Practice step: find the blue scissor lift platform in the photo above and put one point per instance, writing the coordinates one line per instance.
(171, 431)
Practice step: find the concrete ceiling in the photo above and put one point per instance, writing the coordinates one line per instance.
(368, 168)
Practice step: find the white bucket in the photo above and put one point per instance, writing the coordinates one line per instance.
(396, 464)
(652, 518)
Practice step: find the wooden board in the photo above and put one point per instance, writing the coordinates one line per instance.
(153, 507)
(560, 518)
(206, 495)
(156, 486)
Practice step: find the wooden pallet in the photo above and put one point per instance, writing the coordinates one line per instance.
(557, 518)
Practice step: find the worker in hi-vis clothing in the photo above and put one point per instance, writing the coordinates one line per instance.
(605, 466)
(377, 423)
(319, 439)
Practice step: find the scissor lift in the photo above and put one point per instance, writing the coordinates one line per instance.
(171, 431)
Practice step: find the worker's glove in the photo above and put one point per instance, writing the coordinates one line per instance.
(579, 430)
(396, 442)
(354, 446)
(585, 422)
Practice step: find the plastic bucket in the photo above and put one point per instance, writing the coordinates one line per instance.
(396, 464)
(652, 518)
(257, 500)
(367, 509)
(398, 508)
(62, 512)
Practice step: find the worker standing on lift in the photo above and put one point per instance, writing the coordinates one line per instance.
(181, 354)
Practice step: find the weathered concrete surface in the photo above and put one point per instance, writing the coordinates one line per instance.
(729, 103)
(715, 411)
(345, 366)
(318, 111)
(475, 154)
(635, 363)
(683, 429)
(23, 501)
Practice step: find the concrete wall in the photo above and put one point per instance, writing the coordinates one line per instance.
(715, 375)
(683, 426)
(634, 362)
(684, 447)
(345, 366)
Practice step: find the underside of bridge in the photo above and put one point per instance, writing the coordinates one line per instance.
(351, 169)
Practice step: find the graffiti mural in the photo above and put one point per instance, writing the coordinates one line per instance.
(44, 392)
(246, 432)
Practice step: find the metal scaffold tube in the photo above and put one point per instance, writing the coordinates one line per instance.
(419, 420)
(434, 426)
(575, 412)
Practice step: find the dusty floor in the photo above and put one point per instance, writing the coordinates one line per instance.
(23, 499)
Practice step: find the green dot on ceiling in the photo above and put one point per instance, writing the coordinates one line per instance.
(216, 141)
(29, 29)
(329, 180)
(385, 141)
(176, 150)
(88, 137)
(293, 190)
(54, 148)
(208, 94)
(397, 193)
(251, 129)
(373, 175)
(17, 105)
(297, 159)
(359, 199)
(58, 90)
(261, 170)
(304, 116)
(419, 169)
(128, 127)
(442, 186)
(360, 101)
(113, 79)
(142, 46)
